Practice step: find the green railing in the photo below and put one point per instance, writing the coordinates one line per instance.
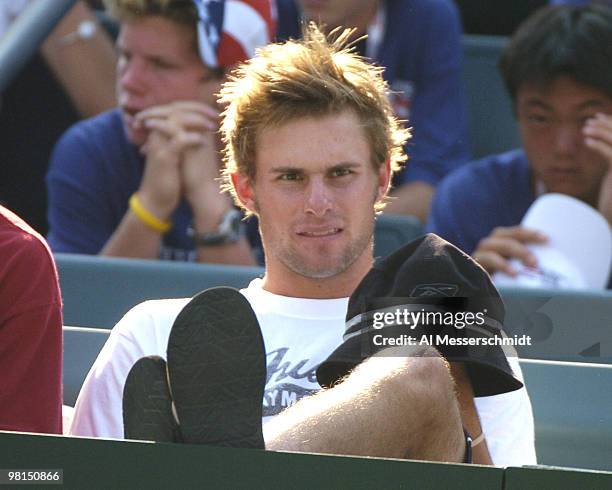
(91, 464)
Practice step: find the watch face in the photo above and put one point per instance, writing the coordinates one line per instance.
(228, 231)
(230, 226)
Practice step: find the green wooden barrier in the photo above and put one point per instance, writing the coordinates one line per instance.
(543, 478)
(89, 463)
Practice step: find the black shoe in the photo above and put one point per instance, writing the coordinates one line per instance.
(217, 370)
(147, 407)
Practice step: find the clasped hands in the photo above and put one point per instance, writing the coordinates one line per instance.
(182, 159)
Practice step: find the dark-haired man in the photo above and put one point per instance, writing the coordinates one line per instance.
(557, 69)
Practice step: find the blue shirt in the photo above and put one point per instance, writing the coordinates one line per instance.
(93, 172)
(471, 202)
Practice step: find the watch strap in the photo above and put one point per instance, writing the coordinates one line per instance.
(227, 232)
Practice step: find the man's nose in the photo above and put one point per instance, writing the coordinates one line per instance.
(567, 137)
(318, 199)
(132, 76)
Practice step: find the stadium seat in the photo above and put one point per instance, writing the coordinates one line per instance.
(493, 127)
(81, 347)
(98, 291)
(572, 405)
(393, 230)
(563, 325)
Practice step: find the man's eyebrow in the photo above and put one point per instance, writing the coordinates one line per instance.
(537, 103)
(286, 169)
(345, 165)
(156, 57)
(590, 104)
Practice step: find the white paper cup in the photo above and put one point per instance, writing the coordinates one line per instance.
(578, 254)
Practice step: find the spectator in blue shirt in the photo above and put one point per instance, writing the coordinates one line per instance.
(558, 70)
(140, 181)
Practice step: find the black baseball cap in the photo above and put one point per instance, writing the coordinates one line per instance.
(431, 276)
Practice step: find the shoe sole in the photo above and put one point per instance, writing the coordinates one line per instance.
(147, 406)
(217, 370)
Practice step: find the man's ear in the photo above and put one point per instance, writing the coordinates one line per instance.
(244, 190)
(384, 180)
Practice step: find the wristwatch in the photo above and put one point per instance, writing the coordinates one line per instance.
(227, 232)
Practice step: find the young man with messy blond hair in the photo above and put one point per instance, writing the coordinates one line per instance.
(311, 145)
(256, 101)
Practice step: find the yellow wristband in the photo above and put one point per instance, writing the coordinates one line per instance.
(147, 217)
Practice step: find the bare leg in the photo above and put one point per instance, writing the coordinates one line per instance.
(399, 407)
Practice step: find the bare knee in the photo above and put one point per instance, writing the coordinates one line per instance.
(421, 377)
(420, 392)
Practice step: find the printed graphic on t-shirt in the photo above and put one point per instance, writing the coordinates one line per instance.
(287, 381)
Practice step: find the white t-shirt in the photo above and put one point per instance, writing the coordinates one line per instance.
(289, 326)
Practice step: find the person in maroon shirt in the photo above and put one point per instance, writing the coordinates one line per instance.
(30, 331)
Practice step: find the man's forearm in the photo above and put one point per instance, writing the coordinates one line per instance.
(84, 67)
(133, 239)
(469, 415)
(209, 209)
